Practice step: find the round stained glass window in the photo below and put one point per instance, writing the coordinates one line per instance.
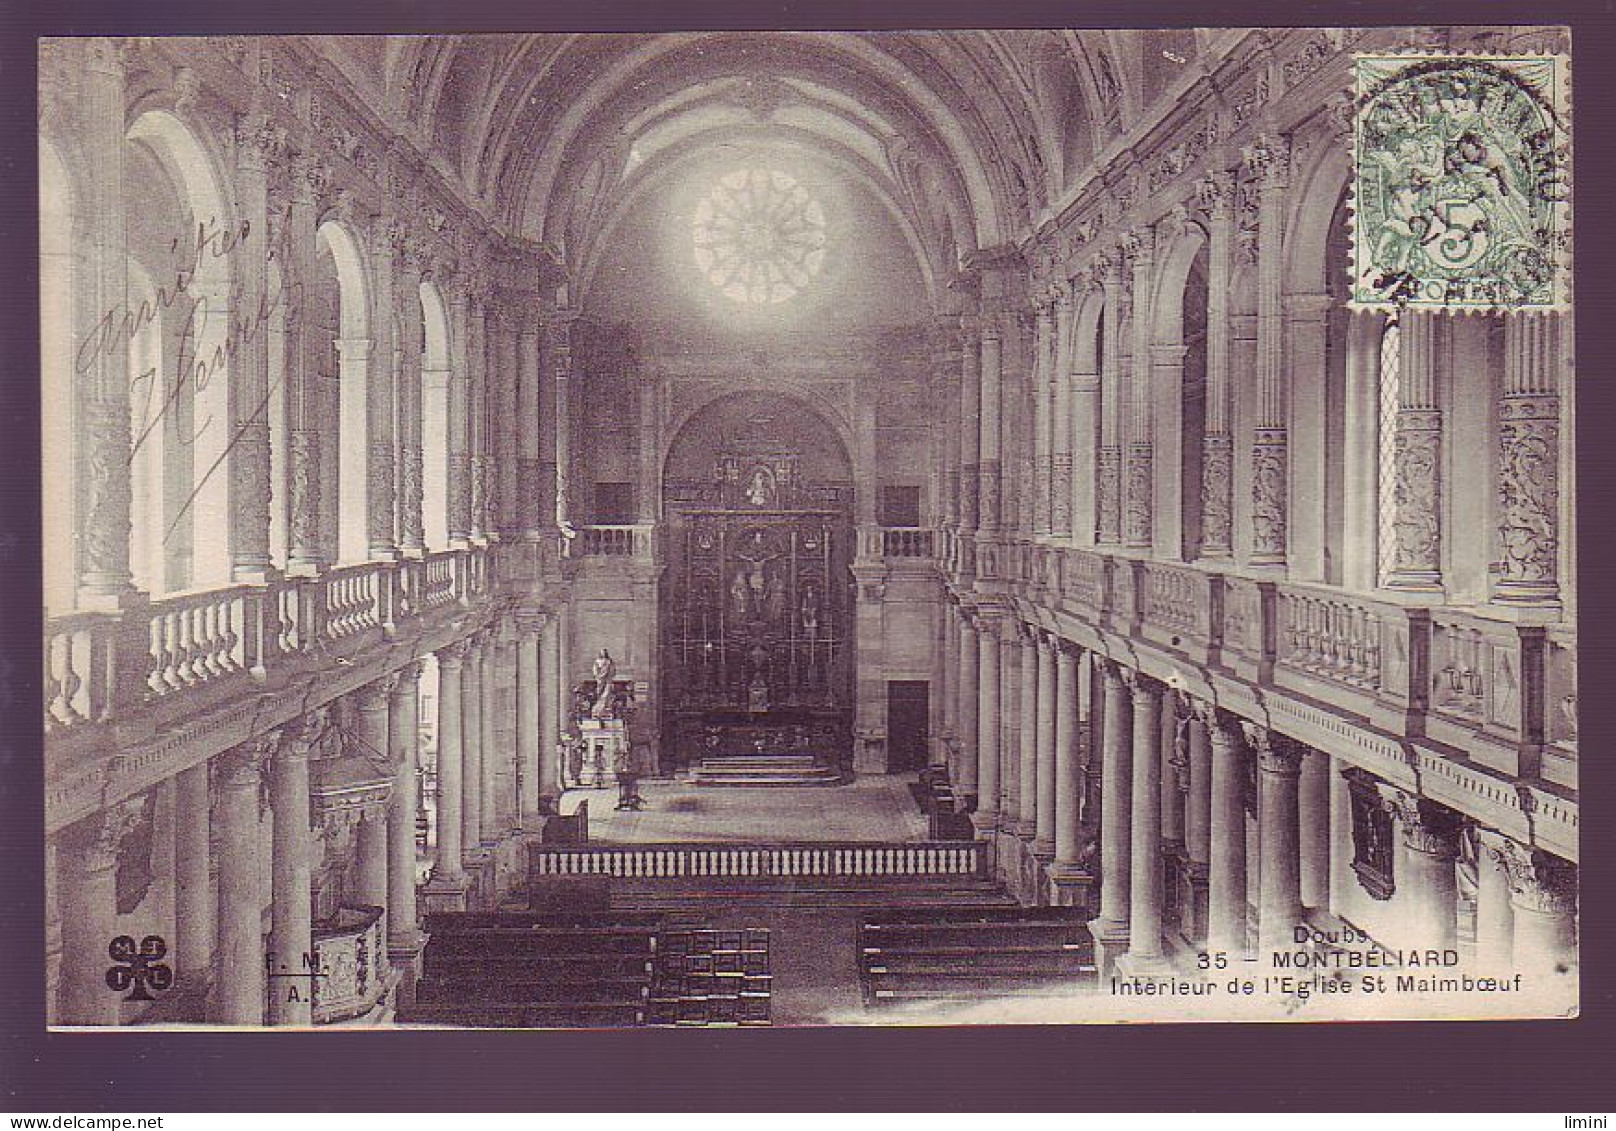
(759, 236)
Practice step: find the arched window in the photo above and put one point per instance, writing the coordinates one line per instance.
(1386, 446)
(345, 449)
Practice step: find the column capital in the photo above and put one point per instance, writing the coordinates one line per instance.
(531, 622)
(1539, 881)
(1268, 158)
(373, 696)
(408, 674)
(1214, 194)
(451, 656)
(242, 767)
(1145, 689)
(1276, 754)
(1427, 827)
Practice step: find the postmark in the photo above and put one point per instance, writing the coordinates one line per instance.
(1461, 189)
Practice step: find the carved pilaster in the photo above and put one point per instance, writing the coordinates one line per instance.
(1140, 504)
(304, 476)
(1109, 501)
(1417, 451)
(1217, 491)
(106, 529)
(1528, 498)
(1269, 479)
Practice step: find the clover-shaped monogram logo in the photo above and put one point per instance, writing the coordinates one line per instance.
(138, 968)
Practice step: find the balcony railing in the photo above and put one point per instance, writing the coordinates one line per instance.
(624, 541)
(100, 666)
(1500, 686)
(756, 861)
(903, 542)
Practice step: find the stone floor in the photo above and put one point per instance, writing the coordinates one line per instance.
(874, 808)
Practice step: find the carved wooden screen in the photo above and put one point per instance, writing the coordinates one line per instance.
(757, 616)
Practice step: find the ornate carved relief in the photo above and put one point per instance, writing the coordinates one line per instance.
(1109, 502)
(379, 492)
(1139, 505)
(249, 462)
(410, 497)
(304, 463)
(1538, 881)
(1417, 449)
(106, 527)
(1528, 494)
(1217, 490)
(459, 493)
(1268, 486)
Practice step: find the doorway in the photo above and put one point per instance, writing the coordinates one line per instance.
(908, 715)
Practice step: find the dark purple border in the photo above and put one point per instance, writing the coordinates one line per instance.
(1556, 1067)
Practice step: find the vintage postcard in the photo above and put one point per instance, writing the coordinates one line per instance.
(809, 528)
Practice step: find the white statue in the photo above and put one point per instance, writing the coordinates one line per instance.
(604, 670)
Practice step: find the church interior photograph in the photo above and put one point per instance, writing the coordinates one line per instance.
(707, 529)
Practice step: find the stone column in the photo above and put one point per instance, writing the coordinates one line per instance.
(89, 869)
(989, 476)
(1042, 414)
(448, 871)
(411, 346)
(1172, 752)
(551, 683)
(1543, 900)
(1140, 474)
(1026, 825)
(291, 942)
(101, 283)
(532, 418)
(1226, 876)
(1529, 462)
(1279, 767)
(458, 486)
(1269, 158)
(1010, 675)
(1197, 817)
(238, 979)
(259, 144)
(1145, 954)
(310, 484)
(1060, 513)
(471, 744)
(987, 730)
(1043, 842)
(1427, 897)
(494, 753)
(1417, 448)
(1216, 197)
(1315, 830)
(195, 916)
(1108, 500)
(561, 376)
(1495, 918)
(1111, 928)
(529, 745)
(403, 737)
(374, 728)
(970, 678)
(970, 427)
(1068, 841)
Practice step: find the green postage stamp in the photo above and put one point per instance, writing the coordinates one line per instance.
(1461, 183)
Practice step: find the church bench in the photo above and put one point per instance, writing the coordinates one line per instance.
(530, 992)
(558, 967)
(1073, 959)
(584, 1015)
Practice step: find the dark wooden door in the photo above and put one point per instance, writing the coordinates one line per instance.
(908, 712)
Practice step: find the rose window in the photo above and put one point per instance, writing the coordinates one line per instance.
(759, 236)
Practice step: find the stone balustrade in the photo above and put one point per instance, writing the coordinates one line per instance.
(1490, 683)
(102, 667)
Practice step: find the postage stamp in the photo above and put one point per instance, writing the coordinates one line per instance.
(1461, 183)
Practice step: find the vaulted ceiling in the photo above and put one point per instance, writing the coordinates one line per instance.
(965, 136)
